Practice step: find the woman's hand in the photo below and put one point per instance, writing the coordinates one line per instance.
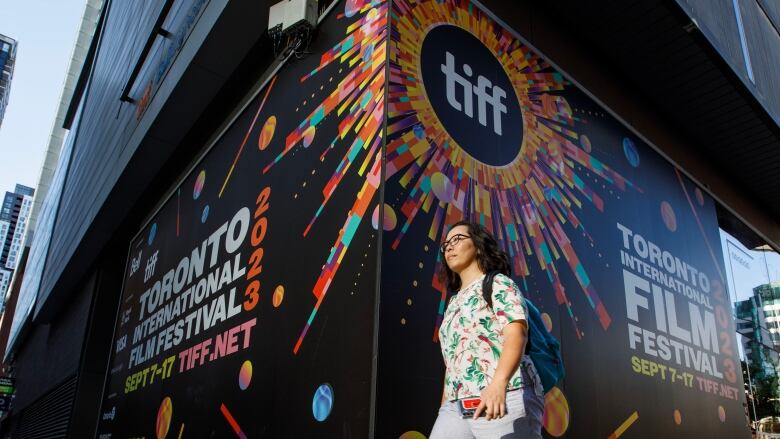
(493, 401)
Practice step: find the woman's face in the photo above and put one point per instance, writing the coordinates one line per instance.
(459, 252)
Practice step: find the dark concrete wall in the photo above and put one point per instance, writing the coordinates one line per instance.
(51, 352)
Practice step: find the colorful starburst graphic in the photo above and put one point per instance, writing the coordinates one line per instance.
(358, 102)
(527, 203)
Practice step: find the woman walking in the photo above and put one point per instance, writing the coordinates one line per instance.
(483, 337)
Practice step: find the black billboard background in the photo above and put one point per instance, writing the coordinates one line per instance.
(592, 173)
(322, 169)
(309, 358)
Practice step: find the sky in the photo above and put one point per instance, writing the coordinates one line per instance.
(46, 32)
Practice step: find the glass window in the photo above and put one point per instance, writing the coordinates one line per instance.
(753, 275)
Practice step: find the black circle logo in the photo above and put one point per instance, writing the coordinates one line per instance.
(471, 95)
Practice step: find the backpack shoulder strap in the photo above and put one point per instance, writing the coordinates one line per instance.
(487, 288)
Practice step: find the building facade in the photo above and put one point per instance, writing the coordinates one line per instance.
(757, 341)
(239, 229)
(14, 217)
(7, 62)
(770, 304)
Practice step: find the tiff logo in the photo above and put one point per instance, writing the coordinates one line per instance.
(485, 91)
(151, 263)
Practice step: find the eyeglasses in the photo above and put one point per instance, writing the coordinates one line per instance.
(453, 241)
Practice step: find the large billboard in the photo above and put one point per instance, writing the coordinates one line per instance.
(617, 248)
(248, 298)
(288, 285)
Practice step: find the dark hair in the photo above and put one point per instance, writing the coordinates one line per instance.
(490, 257)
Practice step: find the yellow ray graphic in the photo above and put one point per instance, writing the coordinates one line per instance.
(624, 426)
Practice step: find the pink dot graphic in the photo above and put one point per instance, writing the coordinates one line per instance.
(199, 183)
(245, 375)
(667, 214)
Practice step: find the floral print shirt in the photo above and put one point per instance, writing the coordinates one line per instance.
(471, 336)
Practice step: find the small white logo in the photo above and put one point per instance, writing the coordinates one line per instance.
(110, 415)
(135, 263)
(121, 343)
(486, 93)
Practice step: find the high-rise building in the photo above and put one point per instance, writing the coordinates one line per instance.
(770, 304)
(753, 322)
(7, 61)
(14, 216)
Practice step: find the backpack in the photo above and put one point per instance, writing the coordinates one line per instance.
(543, 348)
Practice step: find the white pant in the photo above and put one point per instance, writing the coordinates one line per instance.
(525, 408)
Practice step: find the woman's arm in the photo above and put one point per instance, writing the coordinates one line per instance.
(515, 337)
(444, 389)
(494, 395)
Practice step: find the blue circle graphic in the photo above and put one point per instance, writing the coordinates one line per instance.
(419, 132)
(152, 234)
(322, 403)
(629, 149)
(205, 215)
